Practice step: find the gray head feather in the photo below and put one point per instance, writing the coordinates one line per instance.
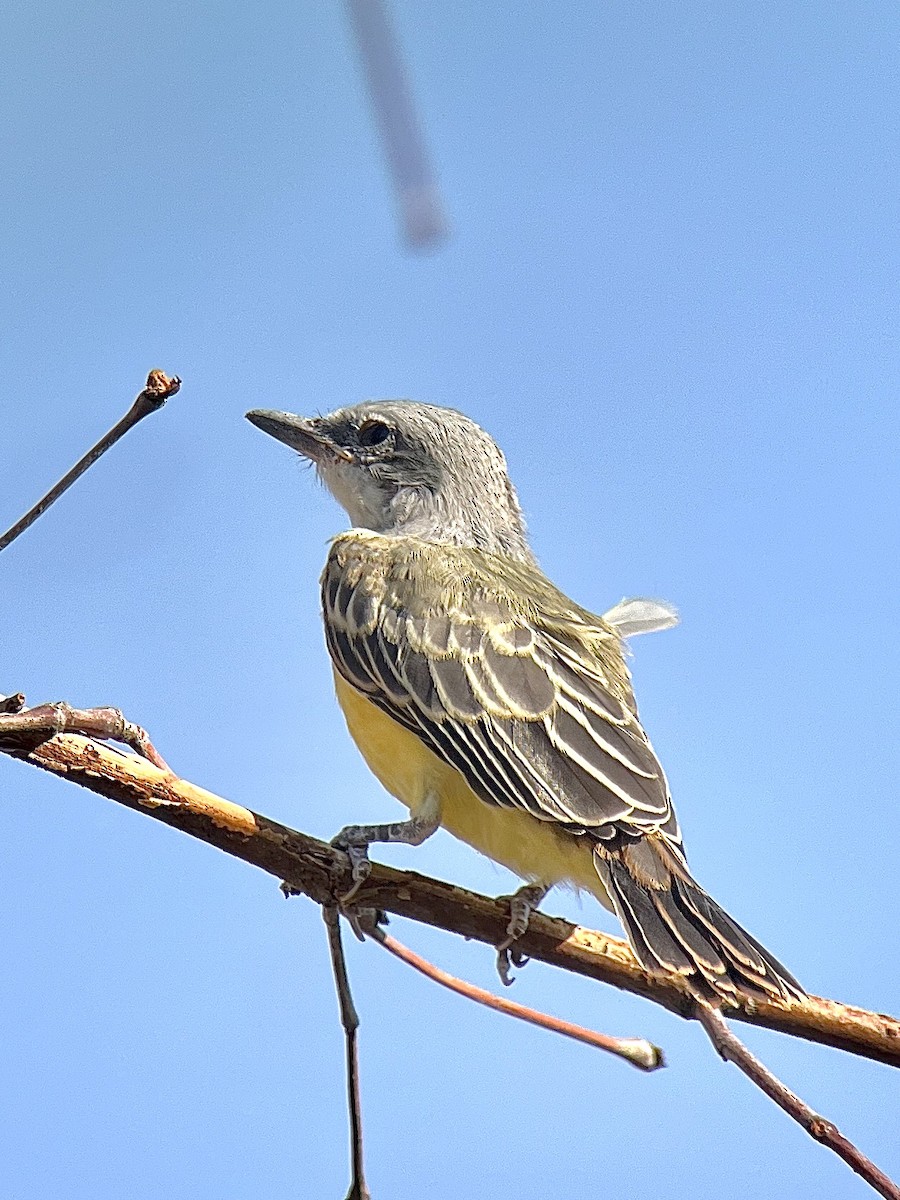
(408, 469)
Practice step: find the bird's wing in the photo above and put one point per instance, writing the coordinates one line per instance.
(533, 705)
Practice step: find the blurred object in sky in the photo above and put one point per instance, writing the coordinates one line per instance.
(421, 211)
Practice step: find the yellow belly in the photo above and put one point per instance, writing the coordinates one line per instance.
(536, 850)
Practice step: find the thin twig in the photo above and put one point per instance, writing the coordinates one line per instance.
(320, 871)
(35, 725)
(423, 218)
(350, 1023)
(158, 390)
(731, 1048)
(639, 1052)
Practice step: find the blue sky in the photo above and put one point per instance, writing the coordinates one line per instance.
(671, 295)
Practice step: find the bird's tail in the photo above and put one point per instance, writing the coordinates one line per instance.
(675, 927)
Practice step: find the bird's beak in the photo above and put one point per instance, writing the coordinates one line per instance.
(299, 433)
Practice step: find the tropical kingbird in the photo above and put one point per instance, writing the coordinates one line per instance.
(491, 704)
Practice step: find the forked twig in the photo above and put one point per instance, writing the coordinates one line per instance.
(350, 1022)
(157, 391)
(639, 1052)
(732, 1049)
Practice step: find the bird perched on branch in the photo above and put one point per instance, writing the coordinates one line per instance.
(491, 704)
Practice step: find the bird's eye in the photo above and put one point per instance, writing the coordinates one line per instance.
(373, 433)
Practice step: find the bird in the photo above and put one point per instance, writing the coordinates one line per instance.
(491, 704)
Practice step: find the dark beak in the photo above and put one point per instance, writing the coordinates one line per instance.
(300, 433)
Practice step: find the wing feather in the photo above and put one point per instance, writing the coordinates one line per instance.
(535, 709)
(455, 689)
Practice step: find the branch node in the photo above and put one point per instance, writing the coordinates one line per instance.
(822, 1129)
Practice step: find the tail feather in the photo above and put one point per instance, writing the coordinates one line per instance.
(674, 926)
(648, 933)
(698, 942)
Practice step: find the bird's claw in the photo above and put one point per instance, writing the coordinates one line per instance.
(364, 920)
(521, 905)
(360, 866)
(508, 957)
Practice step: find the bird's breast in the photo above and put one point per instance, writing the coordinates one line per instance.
(542, 851)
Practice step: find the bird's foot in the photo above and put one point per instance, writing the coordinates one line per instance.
(354, 840)
(364, 920)
(522, 904)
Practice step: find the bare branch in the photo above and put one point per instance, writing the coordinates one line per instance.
(157, 391)
(320, 871)
(639, 1052)
(731, 1048)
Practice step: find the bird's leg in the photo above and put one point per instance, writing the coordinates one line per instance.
(522, 904)
(355, 840)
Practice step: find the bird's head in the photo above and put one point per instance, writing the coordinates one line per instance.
(399, 467)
